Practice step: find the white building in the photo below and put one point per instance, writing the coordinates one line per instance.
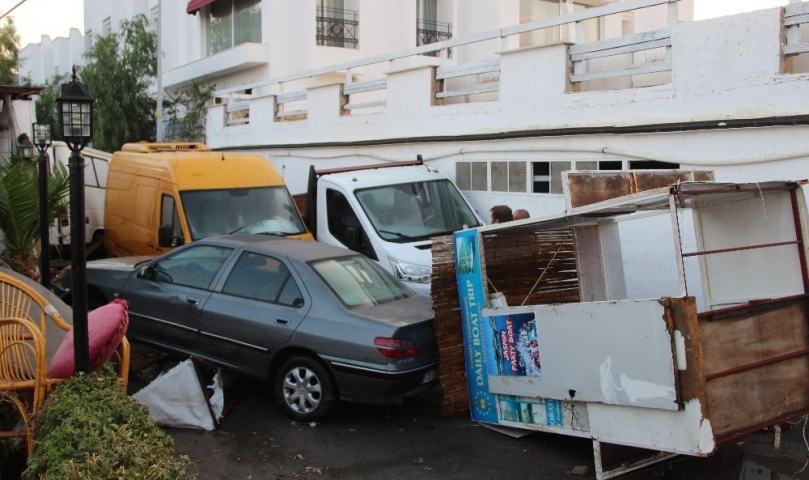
(41, 61)
(499, 104)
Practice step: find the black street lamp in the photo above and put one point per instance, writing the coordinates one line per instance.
(76, 127)
(42, 140)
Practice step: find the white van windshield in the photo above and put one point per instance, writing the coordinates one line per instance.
(265, 210)
(416, 211)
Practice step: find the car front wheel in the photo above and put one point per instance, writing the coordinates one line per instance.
(304, 389)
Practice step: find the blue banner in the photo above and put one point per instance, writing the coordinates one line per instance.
(470, 290)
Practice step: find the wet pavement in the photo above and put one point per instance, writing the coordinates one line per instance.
(411, 440)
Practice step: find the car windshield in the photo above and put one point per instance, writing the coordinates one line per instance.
(267, 210)
(416, 211)
(359, 281)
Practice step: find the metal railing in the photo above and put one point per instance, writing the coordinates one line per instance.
(496, 34)
(428, 31)
(337, 28)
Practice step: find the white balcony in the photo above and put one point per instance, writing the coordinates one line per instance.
(241, 57)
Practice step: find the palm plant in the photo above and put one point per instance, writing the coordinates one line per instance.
(19, 210)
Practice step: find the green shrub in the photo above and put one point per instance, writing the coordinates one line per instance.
(89, 428)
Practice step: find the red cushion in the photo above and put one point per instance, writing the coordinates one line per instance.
(106, 326)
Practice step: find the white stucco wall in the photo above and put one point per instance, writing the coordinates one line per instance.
(40, 61)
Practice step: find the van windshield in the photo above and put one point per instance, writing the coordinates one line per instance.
(264, 210)
(416, 211)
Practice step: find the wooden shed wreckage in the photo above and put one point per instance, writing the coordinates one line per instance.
(549, 340)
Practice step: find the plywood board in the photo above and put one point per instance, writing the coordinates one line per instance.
(754, 336)
(589, 187)
(618, 353)
(758, 397)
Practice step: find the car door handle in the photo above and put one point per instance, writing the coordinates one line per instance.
(282, 321)
(192, 300)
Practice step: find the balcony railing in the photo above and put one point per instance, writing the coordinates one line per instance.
(428, 31)
(337, 28)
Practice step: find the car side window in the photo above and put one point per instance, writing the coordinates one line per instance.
(195, 266)
(264, 278)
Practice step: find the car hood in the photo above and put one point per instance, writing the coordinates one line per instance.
(118, 263)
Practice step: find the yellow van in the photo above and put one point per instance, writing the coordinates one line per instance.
(163, 195)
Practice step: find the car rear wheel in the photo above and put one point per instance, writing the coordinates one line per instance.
(304, 389)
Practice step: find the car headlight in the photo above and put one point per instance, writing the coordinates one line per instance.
(410, 272)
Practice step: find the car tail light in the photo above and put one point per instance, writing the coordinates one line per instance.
(395, 347)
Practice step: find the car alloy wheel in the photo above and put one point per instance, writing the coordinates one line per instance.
(303, 389)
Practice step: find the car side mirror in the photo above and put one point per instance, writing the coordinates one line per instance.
(164, 238)
(146, 273)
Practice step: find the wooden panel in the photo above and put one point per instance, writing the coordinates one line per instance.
(766, 393)
(759, 396)
(532, 267)
(448, 328)
(683, 312)
(751, 338)
(589, 187)
(525, 265)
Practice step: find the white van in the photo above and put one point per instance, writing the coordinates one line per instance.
(389, 213)
(95, 183)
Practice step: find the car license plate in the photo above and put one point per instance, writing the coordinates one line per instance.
(430, 376)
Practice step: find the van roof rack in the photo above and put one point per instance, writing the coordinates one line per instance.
(155, 147)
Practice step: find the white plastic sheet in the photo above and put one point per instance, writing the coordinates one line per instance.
(176, 399)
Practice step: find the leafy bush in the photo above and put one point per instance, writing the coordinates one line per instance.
(89, 428)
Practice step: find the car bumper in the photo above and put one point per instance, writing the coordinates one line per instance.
(382, 387)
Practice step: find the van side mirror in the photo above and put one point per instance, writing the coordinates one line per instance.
(164, 238)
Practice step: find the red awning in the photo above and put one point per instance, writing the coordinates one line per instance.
(195, 5)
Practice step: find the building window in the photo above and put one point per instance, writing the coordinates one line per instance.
(88, 40)
(508, 177)
(336, 26)
(547, 176)
(533, 10)
(154, 14)
(652, 165)
(428, 28)
(472, 176)
(106, 26)
(232, 22)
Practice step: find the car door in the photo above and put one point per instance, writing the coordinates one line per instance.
(260, 305)
(165, 299)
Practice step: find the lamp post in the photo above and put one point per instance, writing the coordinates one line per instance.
(76, 127)
(42, 140)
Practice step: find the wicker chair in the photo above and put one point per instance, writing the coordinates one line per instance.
(23, 373)
(30, 331)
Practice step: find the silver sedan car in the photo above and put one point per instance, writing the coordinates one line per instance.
(322, 323)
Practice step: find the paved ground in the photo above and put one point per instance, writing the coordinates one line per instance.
(412, 440)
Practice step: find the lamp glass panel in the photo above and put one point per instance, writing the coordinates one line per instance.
(42, 133)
